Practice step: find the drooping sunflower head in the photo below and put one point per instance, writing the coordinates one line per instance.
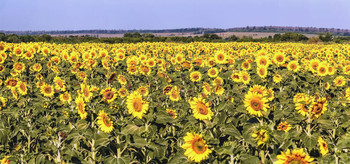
(319, 107)
(172, 113)
(261, 136)
(80, 106)
(196, 147)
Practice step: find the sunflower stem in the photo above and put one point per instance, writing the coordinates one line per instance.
(118, 150)
(93, 151)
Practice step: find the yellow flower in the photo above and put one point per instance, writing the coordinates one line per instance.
(261, 136)
(65, 97)
(297, 156)
(143, 90)
(174, 94)
(122, 80)
(284, 126)
(245, 77)
(85, 92)
(104, 122)
(201, 109)
(5, 160)
(136, 105)
(293, 66)
(195, 76)
(59, 84)
(22, 88)
(339, 81)
(213, 72)
(319, 107)
(255, 103)
(171, 113)
(262, 61)
(80, 106)
(109, 94)
(220, 57)
(196, 147)
(47, 90)
(262, 71)
(279, 58)
(323, 146)
(3, 101)
(19, 67)
(277, 78)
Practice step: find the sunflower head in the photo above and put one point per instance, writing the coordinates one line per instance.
(136, 105)
(104, 122)
(196, 147)
(296, 156)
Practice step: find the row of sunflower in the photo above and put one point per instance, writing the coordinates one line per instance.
(174, 103)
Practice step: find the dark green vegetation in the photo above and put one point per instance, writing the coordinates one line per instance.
(136, 37)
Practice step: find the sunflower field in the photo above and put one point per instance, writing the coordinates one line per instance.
(174, 103)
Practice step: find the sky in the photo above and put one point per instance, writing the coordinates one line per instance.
(34, 15)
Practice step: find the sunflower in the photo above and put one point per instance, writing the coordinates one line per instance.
(122, 79)
(219, 90)
(255, 103)
(213, 72)
(174, 94)
(220, 57)
(2, 68)
(143, 90)
(261, 136)
(258, 89)
(262, 61)
(109, 94)
(123, 92)
(201, 109)
(314, 63)
(5, 160)
(246, 65)
(245, 77)
(270, 94)
(206, 88)
(339, 81)
(293, 66)
(236, 77)
(81, 107)
(132, 70)
(136, 105)
(167, 89)
(303, 105)
(323, 146)
(59, 84)
(172, 113)
(145, 70)
(297, 156)
(277, 78)
(19, 67)
(65, 97)
(195, 76)
(284, 126)
(279, 58)
(262, 71)
(218, 81)
(47, 90)
(11, 82)
(322, 69)
(37, 67)
(196, 147)
(319, 107)
(104, 122)
(22, 88)
(3, 101)
(85, 92)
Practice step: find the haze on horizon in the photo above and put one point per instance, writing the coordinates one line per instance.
(35, 15)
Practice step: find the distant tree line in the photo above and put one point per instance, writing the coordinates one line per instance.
(274, 29)
(136, 37)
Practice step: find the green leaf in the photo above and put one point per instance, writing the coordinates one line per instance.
(132, 129)
(249, 159)
(232, 131)
(3, 135)
(157, 150)
(139, 142)
(179, 158)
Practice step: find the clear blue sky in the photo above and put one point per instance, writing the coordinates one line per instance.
(170, 14)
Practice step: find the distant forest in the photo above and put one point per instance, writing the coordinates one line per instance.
(275, 29)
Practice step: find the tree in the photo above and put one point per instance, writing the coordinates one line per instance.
(232, 38)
